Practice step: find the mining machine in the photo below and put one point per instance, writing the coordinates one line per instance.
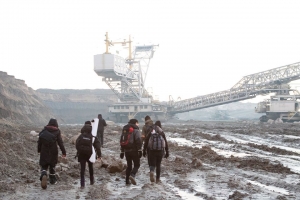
(284, 104)
(126, 78)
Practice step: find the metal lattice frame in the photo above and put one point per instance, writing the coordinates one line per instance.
(248, 87)
(131, 86)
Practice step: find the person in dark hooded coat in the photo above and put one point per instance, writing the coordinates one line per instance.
(100, 130)
(83, 158)
(48, 140)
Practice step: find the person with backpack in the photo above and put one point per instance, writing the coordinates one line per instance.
(155, 144)
(131, 146)
(48, 140)
(84, 144)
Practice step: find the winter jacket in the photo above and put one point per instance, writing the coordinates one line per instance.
(86, 131)
(136, 137)
(160, 131)
(145, 129)
(49, 152)
(101, 125)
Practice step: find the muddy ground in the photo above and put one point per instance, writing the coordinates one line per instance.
(208, 160)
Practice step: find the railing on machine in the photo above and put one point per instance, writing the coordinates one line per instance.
(248, 87)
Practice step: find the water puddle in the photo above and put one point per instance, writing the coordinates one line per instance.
(292, 162)
(225, 153)
(270, 188)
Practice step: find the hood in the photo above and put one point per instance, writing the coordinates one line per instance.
(149, 122)
(53, 122)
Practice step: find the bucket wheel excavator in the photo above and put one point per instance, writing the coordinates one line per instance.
(126, 78)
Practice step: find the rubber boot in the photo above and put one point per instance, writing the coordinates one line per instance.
(43, 179)
(132, 179)
(92, 180)
(152, 176)
(82, 185)
(52, 178)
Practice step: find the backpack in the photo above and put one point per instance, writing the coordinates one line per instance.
(125, 141)
(84, 145)
(156, 140)
(47, 138)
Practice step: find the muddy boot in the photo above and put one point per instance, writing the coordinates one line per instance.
(82, 185)
(52, 178)
(43, 179)
(152, 176)
(132, 179)
(92, 180)
(127, 183)
(158, 180)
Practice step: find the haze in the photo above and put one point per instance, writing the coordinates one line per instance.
(204, 46)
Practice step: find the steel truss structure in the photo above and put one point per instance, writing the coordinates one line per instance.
(129, 85)
(248, 87)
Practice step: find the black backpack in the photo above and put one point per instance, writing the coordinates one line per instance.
(84, 145)
(156, 140)
(127, 138)
(47, 138)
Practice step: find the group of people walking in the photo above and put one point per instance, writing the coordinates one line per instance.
(155, 148)
(150, 143)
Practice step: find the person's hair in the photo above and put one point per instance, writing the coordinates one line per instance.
(88, 123)
(133, 121)
(99, 115)
(147, 118)
(158, 123)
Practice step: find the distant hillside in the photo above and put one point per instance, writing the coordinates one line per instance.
(19, 103)
(77, 106)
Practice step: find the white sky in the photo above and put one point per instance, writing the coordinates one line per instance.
(204, 46)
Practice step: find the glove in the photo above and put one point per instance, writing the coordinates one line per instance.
(167, 154)
(140, 154)
(122, 155)
(144, 153)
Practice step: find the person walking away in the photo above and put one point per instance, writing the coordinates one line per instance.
(131, 146)
(84, 145)
(148, 124)
(48, 140)
(100, 130)
(157, 143)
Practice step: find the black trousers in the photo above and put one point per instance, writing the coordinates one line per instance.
(100, 136)
(155, 158)
(44, 169)
(82, 169)
(132, 156)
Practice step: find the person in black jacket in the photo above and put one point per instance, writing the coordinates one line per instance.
(155, 156)
(83, 158)
(49, 137)
(132, 154)
(100, 130)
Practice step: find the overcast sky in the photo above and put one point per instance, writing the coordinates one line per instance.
(204, 46)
